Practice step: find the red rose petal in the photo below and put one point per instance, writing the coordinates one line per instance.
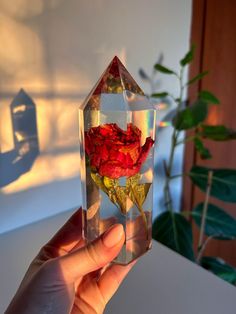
(88, 147)
(133, 171)
(95, 161)
(145, 150)
(115, 155)
(133, 150)
(111, 169)
(129, 161)
(103, 152)
(115, 152)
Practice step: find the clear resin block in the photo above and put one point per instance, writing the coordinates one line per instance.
(116, 133)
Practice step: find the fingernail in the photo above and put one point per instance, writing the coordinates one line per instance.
(113, 235)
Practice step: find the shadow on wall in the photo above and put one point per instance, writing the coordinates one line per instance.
(39, 159)
(20, 159)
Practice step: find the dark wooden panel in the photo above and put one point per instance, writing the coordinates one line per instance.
(197, 33)
(218, 47)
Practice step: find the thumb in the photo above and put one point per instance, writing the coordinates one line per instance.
(93, 256)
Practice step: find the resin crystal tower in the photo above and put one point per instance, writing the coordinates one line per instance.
(116, 132)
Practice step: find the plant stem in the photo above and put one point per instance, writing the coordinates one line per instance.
(202, 249)
(174, 140)
(168, 199)
(204, 212)
(141, 211)
(144, 218)
(186, 139)
(176, 176)
(169, 166)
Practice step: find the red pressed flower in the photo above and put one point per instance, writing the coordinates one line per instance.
(114, 152)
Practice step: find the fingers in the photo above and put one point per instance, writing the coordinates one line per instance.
(65, 239)
(97, 293)
(104, 224)
(93, 256)
(111, 279)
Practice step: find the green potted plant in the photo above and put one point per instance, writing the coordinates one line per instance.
(174, 229)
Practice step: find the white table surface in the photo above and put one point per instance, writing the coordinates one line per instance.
(162, 282)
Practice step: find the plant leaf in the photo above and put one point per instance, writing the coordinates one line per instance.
(208, 97)
(191, 116)
(202, 150)
(220, 268)
(217, 133)
(110, 183)
(134, 180)
(223, 182)
(122, 198)
(98, 181)
(138, 193)
(197, 77)
(112, 197)
(160, 95)
(163, 69)
(174, 231)
(188, 57)
(143, 75)
(219, 224)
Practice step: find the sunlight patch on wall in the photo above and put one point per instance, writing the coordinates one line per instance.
(19, 49)
(27, 8)
(46, 169)
(22, 8)
(57, 127)
(6, 132)
(57, 121)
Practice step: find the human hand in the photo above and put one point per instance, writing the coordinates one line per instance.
(68, 276)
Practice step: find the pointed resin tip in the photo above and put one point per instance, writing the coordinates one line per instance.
(115, 80)
(116, 59)
(116, 62)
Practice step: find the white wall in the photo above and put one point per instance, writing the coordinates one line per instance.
(56, 50)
